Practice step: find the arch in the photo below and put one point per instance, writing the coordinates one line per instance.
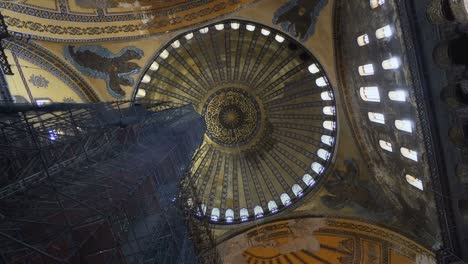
(370, 93)
(272, 206)
(204, 30)
(285, 199)
(391, 64)
(313, 68)
(366, 70)
(376, 117)
(386, 145)
(363, 40)
(376, 3)
(188, 36)
(229, 215)
(219, 27)
(384, 32)
(317, 167)
(404, 125)
(326, 96)
(409, 154)
(414, 181)
(397, 95)
(323, 154)
(235, 25)
(329, 110)
(330, 125)
(308, 179)
(265, 32)
(297, 190)
(321, 82)
(244, 214)
(328, 140)
(141, 93)
(258, 211)
(154, 66)
(250, 27)
(215, 213)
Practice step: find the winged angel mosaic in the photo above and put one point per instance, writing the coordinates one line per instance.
(299, 17)
(100, 63)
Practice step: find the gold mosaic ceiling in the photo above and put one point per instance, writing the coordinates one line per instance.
(269, 112)
(92, 20)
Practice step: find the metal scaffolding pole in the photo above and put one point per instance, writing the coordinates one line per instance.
(100, 183)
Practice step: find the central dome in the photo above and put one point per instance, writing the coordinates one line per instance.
(232, 117)
(269, 111)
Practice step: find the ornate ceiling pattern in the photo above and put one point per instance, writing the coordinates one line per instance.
(269, 111)
(86, 20)
(319, 240)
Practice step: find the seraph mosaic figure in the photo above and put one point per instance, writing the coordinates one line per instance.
(100, 63)
(299, 17)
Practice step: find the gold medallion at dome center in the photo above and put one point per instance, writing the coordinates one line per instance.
(232, 117)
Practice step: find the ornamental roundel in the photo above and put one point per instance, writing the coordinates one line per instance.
(269, 111)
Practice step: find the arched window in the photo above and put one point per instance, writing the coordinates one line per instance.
(154, 66)
(329, 110)
(326, 96)
(363, 40)
(321, 82)
(297, 190)
(391, 64)
(308, 179)
(384, 32)
(272, 206)
(215, 214)
(141, 93)
(330, 125)
(313, 68)
(285, 199)
(189, 36)
(146, 79)
(367, 69)
(376, 3)
(265, 32)
(279, 38)
(204, 30)
(229, 215)
(399, 95)
(410, 154)
(376, 117)
(164, 54)
(328, 140)
(414, 182)
(370, 94)
(235, 25)
(386, 145)
(175, 44)
(323, 154)
(404, 125)
(317, 167)
(219, 27)
(250, 27)
(258, 211)
(244, 214)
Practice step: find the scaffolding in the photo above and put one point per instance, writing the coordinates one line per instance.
(100, 183)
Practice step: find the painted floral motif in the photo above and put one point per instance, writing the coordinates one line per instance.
(39, 81)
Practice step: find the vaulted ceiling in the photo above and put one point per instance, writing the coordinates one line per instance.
(269, 111)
